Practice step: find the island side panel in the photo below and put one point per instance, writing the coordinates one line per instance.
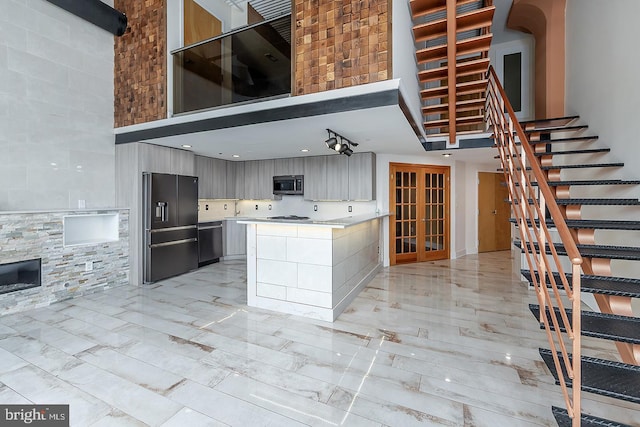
(356, 261)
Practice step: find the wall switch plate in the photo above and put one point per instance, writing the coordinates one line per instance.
(88, 266)
(350, 209)
(315, 208)
(82, 204)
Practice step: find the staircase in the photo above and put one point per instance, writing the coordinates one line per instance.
(452, 32)
(535, 157)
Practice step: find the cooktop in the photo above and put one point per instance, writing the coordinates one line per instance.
(290, 217)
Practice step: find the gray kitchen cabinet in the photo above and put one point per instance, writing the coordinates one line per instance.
(290, 166)
(315, 178)
(182, 162)
(235, 180)
(258, 179)
(337, 182)
(212, 177)
(235, 238)
(362, 176)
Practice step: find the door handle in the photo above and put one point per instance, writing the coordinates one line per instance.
(495, 212)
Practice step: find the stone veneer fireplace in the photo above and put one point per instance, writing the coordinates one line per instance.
(75, 257)
(19, 275)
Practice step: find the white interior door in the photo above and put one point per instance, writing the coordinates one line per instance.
(513, 62)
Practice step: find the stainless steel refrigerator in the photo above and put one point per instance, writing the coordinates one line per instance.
(170, 225)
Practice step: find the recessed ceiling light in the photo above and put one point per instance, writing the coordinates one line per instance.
(447, 154)
(186, 146)
(235, 155)
(54, 164)
(79, 167)
(305, 150)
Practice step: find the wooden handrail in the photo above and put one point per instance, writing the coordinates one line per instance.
(556, 214)
(529, 207)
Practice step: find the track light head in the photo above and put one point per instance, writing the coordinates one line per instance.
(342, 145)
(331, 143)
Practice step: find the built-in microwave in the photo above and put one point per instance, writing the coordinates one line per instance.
(288, 184)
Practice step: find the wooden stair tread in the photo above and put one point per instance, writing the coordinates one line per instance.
(467, 88)
(598, 325)
(472, 20)
(556, 129)
(463, 47)
(460, 121)
(603, 377)
(426, 7)
(476, 66)
(468, 105)
(553, 121)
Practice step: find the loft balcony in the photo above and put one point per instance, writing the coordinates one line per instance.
(247, 64)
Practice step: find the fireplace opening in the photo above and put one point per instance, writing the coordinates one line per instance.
(16, 276)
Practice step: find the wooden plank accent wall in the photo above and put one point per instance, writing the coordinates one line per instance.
(140, 69)
(341, 43)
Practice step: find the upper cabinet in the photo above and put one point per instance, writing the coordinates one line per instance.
(258, 179)
(290, 166)
(235, 180)
(362, 176)
(315, 178)
(337, 177)
(332, 177)
(212, 177)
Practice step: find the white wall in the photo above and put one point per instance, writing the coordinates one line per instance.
(404, 58)
(602, 70)
(602, 86)
(56, 109)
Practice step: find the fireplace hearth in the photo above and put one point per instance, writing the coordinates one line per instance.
(16, 276)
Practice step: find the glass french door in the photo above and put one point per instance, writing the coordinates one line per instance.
(419, 197)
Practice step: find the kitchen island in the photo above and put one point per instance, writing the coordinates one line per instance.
(311, 268)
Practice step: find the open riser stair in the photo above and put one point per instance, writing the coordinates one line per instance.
(452, 39)
(574, 214)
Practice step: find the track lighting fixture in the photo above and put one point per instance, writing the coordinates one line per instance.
(339, 143)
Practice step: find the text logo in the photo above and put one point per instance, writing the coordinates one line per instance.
(34, 415)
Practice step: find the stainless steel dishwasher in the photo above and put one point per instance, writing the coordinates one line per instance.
(209, 242)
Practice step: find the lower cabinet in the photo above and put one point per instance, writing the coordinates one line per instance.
(235, 238)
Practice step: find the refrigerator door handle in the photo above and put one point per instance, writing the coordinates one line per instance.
(174, 242)
(161, 211)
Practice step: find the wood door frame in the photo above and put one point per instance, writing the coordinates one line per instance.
(420, 225)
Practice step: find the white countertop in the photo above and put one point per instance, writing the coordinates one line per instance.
(75, 211)
(344, 222)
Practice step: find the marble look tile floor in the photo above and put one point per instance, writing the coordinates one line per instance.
(440, 343)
